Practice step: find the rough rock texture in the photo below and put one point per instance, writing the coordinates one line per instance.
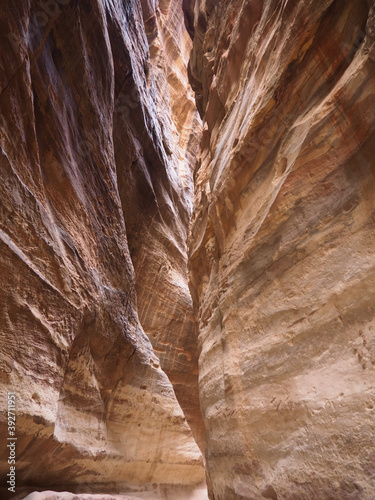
(96, 155)
(157, 218)
(282, 246)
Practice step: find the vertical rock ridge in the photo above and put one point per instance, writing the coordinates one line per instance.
(156, 191)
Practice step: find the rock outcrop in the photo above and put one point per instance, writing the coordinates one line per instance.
(98, 137)
(282, 246)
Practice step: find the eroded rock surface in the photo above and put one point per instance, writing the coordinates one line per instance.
(157, 217)
(97, 143)
(282, 246)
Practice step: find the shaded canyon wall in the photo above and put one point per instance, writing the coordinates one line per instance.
(98, 137)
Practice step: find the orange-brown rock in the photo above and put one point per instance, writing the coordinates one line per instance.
(157, 219)
(282, 246)
(98, 136)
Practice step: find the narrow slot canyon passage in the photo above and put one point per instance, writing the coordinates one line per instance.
(187, 261)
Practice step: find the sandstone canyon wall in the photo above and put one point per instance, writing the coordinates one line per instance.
(282, 246)
(98, 137)
(99, 142)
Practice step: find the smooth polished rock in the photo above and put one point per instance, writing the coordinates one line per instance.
(160, 493)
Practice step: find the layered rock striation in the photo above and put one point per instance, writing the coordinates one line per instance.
(282, 246)
(98, 137)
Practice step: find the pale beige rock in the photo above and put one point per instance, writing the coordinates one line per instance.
(282, 247)
(163, 493)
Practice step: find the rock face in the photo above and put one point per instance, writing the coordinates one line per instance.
(282, 246)
(98, 137)
(157, 217)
